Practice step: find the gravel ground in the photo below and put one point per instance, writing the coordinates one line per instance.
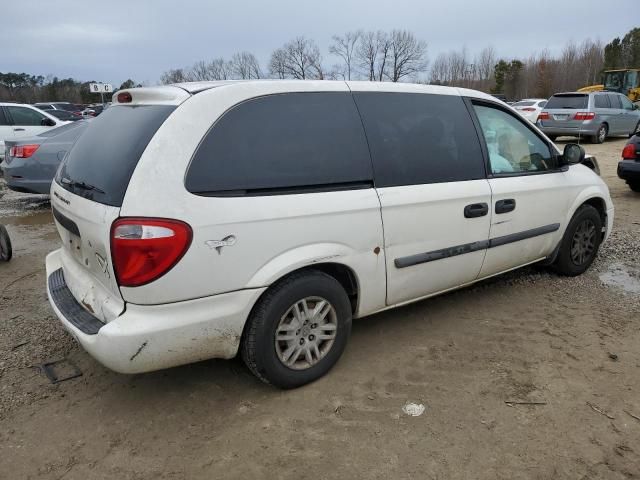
(524, 376)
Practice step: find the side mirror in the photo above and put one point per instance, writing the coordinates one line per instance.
(573, 153)
(47, 122)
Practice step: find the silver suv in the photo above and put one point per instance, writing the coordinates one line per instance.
(596, 115)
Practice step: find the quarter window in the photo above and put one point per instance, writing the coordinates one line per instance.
(25, 117)
(283, 142)
(513, 147)
(418, 138)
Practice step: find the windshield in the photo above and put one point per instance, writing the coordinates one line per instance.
(570, 101)
(613, 81)
(106, 154)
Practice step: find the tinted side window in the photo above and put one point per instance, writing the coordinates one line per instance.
(418, 138)
(615, 101)
(25, 116)
(3, 119)
(280, 142)
(513, 147)
(601, 101)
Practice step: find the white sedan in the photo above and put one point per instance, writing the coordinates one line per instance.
(20, 120)
(530, 108)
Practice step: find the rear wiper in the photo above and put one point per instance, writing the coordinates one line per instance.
(82, 185)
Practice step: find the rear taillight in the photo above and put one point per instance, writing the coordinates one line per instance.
(543, 116)
(584, 116)
(23, 151)
(77, 114)
(144, 249)
(629, 152)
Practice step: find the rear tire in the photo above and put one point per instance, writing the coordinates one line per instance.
(287, 341)
(601, 134)
(580, 242)
(635, 186)
(6, 251)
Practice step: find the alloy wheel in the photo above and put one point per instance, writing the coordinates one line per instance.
(306, 333)
(583, 243)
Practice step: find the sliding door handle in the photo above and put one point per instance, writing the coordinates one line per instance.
(506, 205)
(476, 210)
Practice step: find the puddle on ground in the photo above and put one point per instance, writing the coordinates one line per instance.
(622, 276)
(21, 209)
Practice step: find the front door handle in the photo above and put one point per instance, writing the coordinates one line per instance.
(506, 205)
(18, 129)
(476, 210)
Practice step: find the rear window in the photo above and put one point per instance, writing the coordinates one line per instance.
(100, 164)
(283, 143)
(568, 101)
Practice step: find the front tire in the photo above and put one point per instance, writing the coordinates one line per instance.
(635, 186)
(580, 243)
(601, 134)
(635, 130)
(298, 330)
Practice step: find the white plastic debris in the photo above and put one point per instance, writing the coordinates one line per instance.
(413, 409)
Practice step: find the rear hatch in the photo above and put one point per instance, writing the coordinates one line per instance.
(88, 191)
(562, 109)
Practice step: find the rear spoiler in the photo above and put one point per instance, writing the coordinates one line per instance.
(164, 95)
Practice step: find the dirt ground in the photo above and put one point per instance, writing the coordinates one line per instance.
(571, 345)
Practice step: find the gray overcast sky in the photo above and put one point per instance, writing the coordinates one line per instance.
(114, 40)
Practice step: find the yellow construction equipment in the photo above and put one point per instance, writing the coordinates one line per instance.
(625, 80)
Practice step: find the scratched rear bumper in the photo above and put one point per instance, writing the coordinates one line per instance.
(152, 337)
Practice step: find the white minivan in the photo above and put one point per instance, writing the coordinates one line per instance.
(205, 220)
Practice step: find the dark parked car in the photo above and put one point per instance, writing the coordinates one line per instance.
(629, 167)
(64, 115)
(66, 106)
(31, 162)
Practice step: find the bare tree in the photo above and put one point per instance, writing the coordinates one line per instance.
(486, 60)
(177, 75)
(199, 72)
(345, 48)
(372, 54)
(300, 59)
(277, 62)
(245, 65)
(408, 55)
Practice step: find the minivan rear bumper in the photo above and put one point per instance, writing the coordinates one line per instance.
(152, 337)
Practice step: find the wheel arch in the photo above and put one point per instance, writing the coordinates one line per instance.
(594, 197)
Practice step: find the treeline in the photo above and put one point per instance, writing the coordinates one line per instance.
(393, 56)
(26, 88)
(399, 56)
